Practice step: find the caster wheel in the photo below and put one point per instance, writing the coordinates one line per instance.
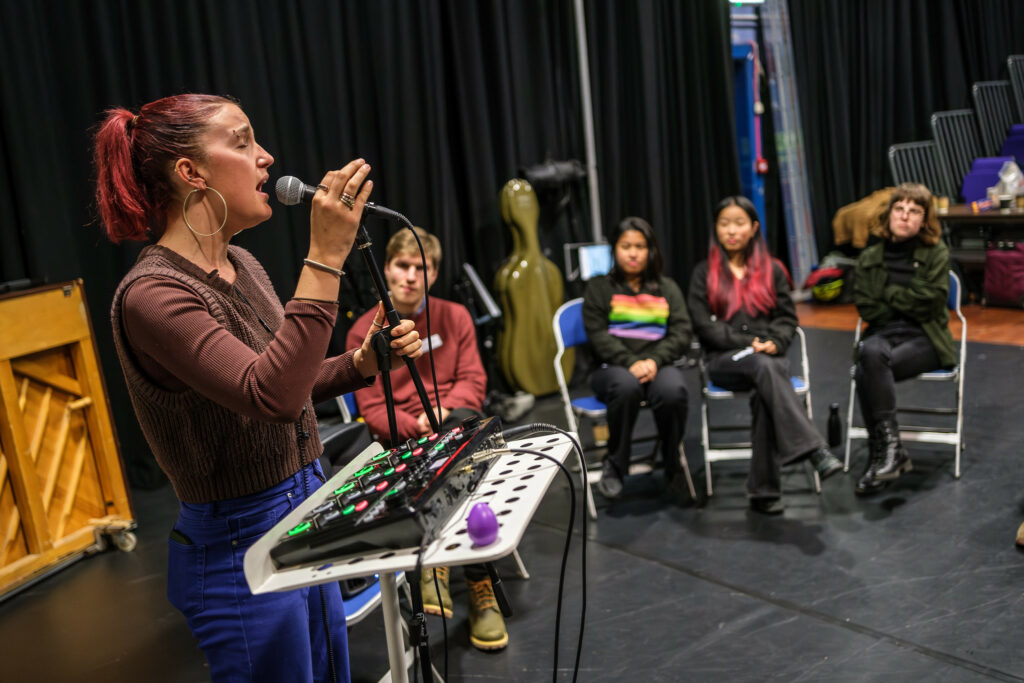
(125, 541)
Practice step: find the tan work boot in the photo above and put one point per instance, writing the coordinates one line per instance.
(486, 625)
(1020, 536)
(432, 602)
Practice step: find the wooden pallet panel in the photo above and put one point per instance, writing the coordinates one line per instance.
(63, 477)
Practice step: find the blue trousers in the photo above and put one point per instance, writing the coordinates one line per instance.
(271, 637)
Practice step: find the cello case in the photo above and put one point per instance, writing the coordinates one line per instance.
(529, 289)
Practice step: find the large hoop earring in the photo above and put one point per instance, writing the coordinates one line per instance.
(184, 213)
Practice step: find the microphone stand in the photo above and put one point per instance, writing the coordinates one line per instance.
(381, 344)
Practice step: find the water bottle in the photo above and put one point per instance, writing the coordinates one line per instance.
(835, 427)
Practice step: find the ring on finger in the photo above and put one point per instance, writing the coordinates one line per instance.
(347, 199)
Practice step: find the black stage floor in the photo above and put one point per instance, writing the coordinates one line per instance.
(922, 583)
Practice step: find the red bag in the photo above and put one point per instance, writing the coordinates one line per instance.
(1004, 274)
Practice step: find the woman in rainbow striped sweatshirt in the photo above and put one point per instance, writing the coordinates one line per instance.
(638, 326)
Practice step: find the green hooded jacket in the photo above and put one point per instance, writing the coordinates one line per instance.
(924, 300)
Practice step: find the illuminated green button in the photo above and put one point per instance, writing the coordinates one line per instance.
(302, 528)
(438, 446)
(365, 470)
(347, 487)
(406, 455)
(391, 493)
(422, 439)
(382, 454)
(389, 471)
(348, 510)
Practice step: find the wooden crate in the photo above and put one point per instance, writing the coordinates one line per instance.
(62, 485)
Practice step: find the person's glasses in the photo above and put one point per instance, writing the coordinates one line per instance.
(911, 211)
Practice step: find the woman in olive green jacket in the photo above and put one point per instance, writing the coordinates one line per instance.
(900, 288)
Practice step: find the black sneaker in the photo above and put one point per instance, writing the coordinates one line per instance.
(610, 485)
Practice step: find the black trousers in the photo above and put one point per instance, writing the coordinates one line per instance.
(666, 395)
(780, 430)
(893, 353)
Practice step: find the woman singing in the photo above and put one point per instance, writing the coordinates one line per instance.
(221, 377)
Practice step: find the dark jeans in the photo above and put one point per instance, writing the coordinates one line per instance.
(666, 395)
(892, 354)
(780, 430)
(268, 637)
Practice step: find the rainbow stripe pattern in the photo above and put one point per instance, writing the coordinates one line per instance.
(641, 316)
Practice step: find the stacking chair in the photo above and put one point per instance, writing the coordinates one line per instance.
(719, 451)
(569, 332)
(948, 435)
(919, 162)
(956, 133)
(993, 103)
(1015, 65)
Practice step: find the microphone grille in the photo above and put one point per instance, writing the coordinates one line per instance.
(289, 190)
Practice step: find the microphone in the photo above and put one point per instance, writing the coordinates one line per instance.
(291, 191)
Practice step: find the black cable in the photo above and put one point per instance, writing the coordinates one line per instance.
(437, 403)
(565, 550)
(418, 572)
(426, 312)
(542, 427)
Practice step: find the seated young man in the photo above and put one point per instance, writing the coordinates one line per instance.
(461, 384)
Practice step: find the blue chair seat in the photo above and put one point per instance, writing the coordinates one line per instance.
(940, 375)
(715, 391)
(589, 406)
(366, 600)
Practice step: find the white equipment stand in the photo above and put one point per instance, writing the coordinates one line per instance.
(513, 488)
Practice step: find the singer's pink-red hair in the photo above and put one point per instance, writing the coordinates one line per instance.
(755, 293)
(135, 156)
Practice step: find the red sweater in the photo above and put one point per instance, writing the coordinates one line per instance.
(461, 380)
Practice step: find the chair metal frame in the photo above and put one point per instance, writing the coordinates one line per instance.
(920, 162)
(952, 436)
(994, 107)
(956, 134)
(1015, 66)
(569, 333)
(744, 450)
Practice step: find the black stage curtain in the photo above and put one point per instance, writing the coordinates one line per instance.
(870, 73)
(662, 90)
(446, 100)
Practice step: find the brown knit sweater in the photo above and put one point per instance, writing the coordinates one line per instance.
(224, 402)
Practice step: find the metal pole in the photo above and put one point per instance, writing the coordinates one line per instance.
(393, 627)
(587, 105)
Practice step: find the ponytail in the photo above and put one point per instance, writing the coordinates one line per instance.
(122, 203)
